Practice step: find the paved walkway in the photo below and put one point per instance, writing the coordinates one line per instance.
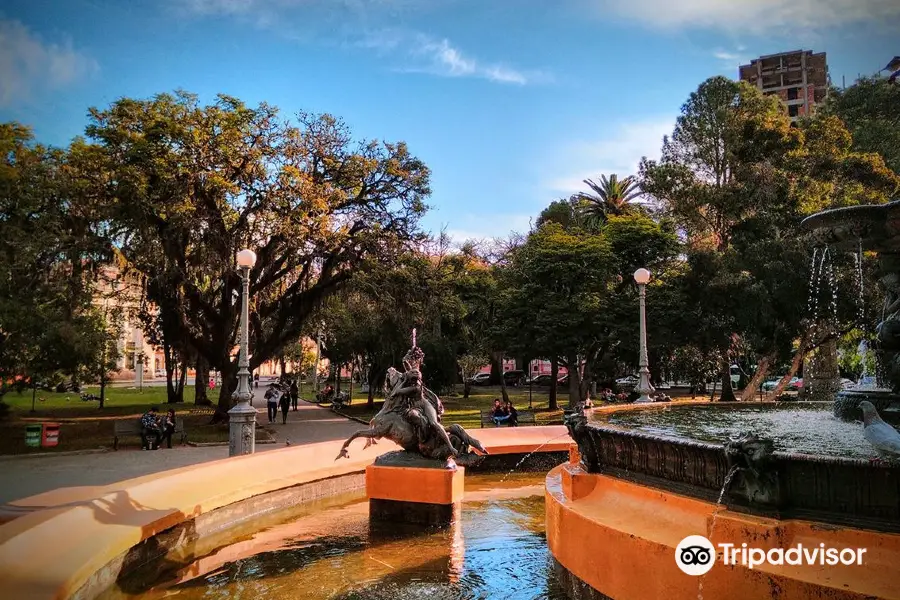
(21, 477)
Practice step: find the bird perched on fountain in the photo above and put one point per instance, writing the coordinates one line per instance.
(882, 436)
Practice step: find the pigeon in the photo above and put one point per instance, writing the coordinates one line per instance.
(882, 436)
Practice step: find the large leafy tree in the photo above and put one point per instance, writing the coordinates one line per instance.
(553, 291)
(187, 185)
(49, 250)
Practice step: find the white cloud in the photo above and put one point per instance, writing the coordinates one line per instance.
(732, 60)
(755, 16)
(439, 57)
(28, 64)
(618, 150)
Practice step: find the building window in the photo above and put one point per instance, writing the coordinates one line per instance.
(793, 93)
(793, 110)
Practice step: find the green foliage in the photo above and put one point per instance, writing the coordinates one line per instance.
(870, 108)
(49, 247)
(186, 186)
(609, 197)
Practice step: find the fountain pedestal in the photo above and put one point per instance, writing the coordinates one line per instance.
(424, 495)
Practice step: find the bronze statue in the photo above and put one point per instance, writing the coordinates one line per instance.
(411, 417)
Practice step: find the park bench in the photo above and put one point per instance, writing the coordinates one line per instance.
(132, 427)
(526, 417)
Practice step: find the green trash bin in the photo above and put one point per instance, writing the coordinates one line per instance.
(33, 435)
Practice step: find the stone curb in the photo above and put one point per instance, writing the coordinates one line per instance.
(268, 440)
(45, 454)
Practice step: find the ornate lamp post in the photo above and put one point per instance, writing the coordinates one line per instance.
(242, 418)
(642, 277)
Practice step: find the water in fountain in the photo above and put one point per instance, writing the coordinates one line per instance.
(527, 456)
(497, 550)
(809, 428)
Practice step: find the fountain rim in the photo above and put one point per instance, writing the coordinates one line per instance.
(601, 425)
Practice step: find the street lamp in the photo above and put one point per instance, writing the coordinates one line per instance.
(642, 277)
(242, 417)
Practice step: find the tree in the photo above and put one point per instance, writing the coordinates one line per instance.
(737, 179)
(552, 292)
(610, 197)
(187, 186)
(49, 251)
(870, 109)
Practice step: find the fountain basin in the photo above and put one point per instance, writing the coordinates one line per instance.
(80, 545)
(875, 226)
(846, 405)
(836, 490)
(611, 538)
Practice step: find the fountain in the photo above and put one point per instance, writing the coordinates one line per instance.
(874, 228)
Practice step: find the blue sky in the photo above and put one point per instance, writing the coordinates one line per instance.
(510, 102)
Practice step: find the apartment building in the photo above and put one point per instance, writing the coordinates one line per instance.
(800, 78)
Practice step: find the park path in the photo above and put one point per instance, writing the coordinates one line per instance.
(21, 477)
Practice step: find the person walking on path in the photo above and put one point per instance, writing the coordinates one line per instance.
(295, 393)
(272, 396)
(285, 402)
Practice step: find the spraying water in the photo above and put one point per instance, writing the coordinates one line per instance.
(524, 458)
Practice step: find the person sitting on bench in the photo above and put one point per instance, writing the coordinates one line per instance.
(168, 427)
(500, 415)
(150, 425)
(512, 415)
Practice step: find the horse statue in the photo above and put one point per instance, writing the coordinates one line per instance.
(411, 418)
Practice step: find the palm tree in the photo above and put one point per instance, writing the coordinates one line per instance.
(610, 197)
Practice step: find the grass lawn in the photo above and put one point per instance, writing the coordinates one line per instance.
(466, 411)
(84, 426)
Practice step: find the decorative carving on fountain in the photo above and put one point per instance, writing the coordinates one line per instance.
(411, 418)
(751, 459)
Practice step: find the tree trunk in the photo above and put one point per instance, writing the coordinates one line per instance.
(574, 381)
(497, 358)
(795, 366)
(337, 379)
(103, 386)
(496, 369)
(554, 375)
(350, 384)
(467, 388)
(282, 362)
(179, 396)
(201, 382)
(229, 384)
(762, 369)
(373, 373)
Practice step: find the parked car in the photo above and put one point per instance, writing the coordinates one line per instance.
(796, 384)
(770, 383)
(542, 381)
(480, 379)
(847, 384)
(160, 374)
(630, 380)
(514, 377)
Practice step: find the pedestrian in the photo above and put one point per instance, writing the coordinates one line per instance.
(295, 393)
(285, 403)
(272, 396)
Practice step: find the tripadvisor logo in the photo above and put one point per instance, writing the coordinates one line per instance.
(695, 555)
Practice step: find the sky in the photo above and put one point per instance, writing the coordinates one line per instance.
(511, 103)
